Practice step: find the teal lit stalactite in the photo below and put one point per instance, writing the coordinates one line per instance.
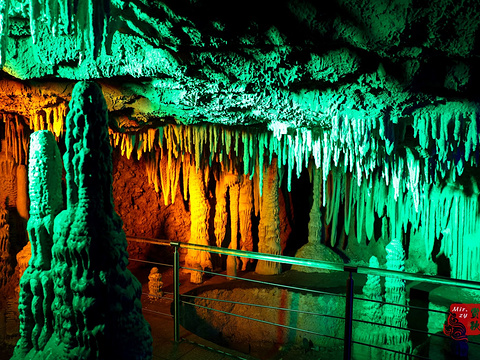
(36, 284)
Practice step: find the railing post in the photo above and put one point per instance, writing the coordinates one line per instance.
(176, 292)
(347, 342)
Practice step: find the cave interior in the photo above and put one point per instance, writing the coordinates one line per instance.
(347, 134)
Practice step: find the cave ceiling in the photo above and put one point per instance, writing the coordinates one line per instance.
(294, 63)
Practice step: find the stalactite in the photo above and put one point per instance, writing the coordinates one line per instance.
(369, 215)
(152, 165)
(390, 182)
(49, 118)
(87, 20)
(348, 203)
(361, 194)
(199, 211)
(269, 226)
(169, 169)
(246, 154)
(16, 138)
(186, 176)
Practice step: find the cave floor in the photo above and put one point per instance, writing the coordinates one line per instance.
(157, 312)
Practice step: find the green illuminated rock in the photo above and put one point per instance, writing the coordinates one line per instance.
(86, 304)
(36, 284)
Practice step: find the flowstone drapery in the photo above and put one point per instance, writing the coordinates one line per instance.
(78, 300)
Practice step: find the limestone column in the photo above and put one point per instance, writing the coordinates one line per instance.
(22, 191)
(221, 215)
(395, 292)
(199, 210)
(234, 192)
(269, 226)
(245, 208)
(45, 191)
(92, 310)
(5, 259)
(315, 249)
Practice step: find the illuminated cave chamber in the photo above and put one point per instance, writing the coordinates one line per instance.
(365, 185)
(339, 194)
(348, 134)
(360, 199)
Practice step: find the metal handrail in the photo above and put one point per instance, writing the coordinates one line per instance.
(263, 306)
(318, 264)
(262, 321)
(263, 282)
(300, 262)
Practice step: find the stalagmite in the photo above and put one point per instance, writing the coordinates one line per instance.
(269, 226)
(155, 284)
(395, 293)
(36, 284)
(369, 333)
(95, 301)
(221, 215)
(245, 217)
(199, 211)
(234, 192)
(315, 248)
(22, 196)
(5, 258)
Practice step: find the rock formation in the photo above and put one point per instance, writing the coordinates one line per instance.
(315, 249)
(5, 258)
(245, 209)
(269, 226)
(78, 300)
(36, 283)
(368, 333)
(199, 211)
(155, 284)
(395, 293)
